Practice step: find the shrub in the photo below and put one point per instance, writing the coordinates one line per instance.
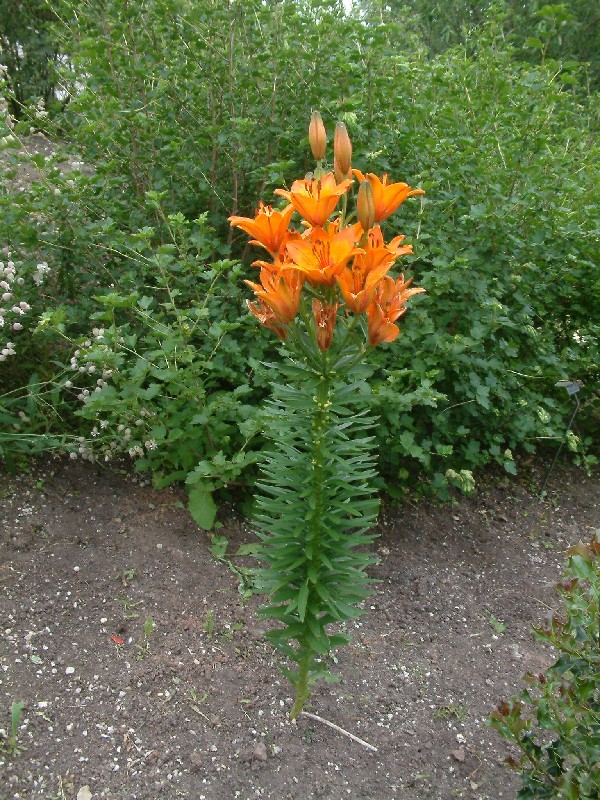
(203, 104)
(29, 51)
(158, 376)
(556, 722)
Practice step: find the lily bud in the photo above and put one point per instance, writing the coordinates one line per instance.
(317, 136)
(365, 206)
(339, 175)
(342, 148)
(325, 316)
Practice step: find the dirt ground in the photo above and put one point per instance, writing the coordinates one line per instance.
(145, 674)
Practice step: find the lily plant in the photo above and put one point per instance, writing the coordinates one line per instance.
(325, 289)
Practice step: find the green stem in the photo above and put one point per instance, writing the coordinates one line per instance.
(302, 690)
(320, 420)
(344, 210)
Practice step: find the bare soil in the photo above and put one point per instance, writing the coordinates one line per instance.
(197, 708)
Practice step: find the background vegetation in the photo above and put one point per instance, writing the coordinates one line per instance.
(175, 114)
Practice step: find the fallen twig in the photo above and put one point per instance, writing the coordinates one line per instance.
(340, 730)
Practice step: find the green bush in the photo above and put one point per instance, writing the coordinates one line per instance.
(556, 723)
(506, 248)
(203, 106)
(159, 376)
(29, 51)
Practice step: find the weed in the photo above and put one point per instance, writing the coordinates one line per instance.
(230, 632)
(457, 711)
(197, 701)
(126, 576)
(129, 607)
(496, 624)
(547, 545)
(209, 624)
(245, 576)
(142, 646)
(11, 742)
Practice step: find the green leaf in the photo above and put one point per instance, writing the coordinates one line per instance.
(202, 507)
(218, 546)
(115, 300)
(302, 600)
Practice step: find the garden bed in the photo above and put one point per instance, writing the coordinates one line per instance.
(192, 704)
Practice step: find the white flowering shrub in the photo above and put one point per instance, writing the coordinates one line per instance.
(14, 311)
(150, 385)
(155, 376)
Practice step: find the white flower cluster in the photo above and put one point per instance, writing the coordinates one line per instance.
(88, 367)
(109, 436)
(40, 270)
(39, 110)
(12, 309)
(83, 451)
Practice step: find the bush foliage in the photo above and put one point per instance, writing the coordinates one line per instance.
(556, 722)
(181, 114)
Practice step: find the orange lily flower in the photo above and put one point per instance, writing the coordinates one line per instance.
(269, 228)
(377, 252)
(358, 283)
(387, 196)
(325, 316)
(267, 318)
(321, 255)
(388, 304)
(279, 291)
(315, 199)
(280, 259)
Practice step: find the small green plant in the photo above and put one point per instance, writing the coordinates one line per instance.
(556, 721)
(209, 624)
(129, 607)
(144, 643)
(457, 711)
(11, 742)
(196, 702)
(126, 576)
(245, 576)
(496, 624)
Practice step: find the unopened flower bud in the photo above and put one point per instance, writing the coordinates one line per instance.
(317, 136)
(365, 206)
(325, 318)
(339, 175)
(342, 148)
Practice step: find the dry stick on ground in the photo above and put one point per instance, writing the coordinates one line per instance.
(340, 730)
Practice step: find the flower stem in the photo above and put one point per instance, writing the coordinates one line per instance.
(302, 690)
(320, 420)
(344, 210)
